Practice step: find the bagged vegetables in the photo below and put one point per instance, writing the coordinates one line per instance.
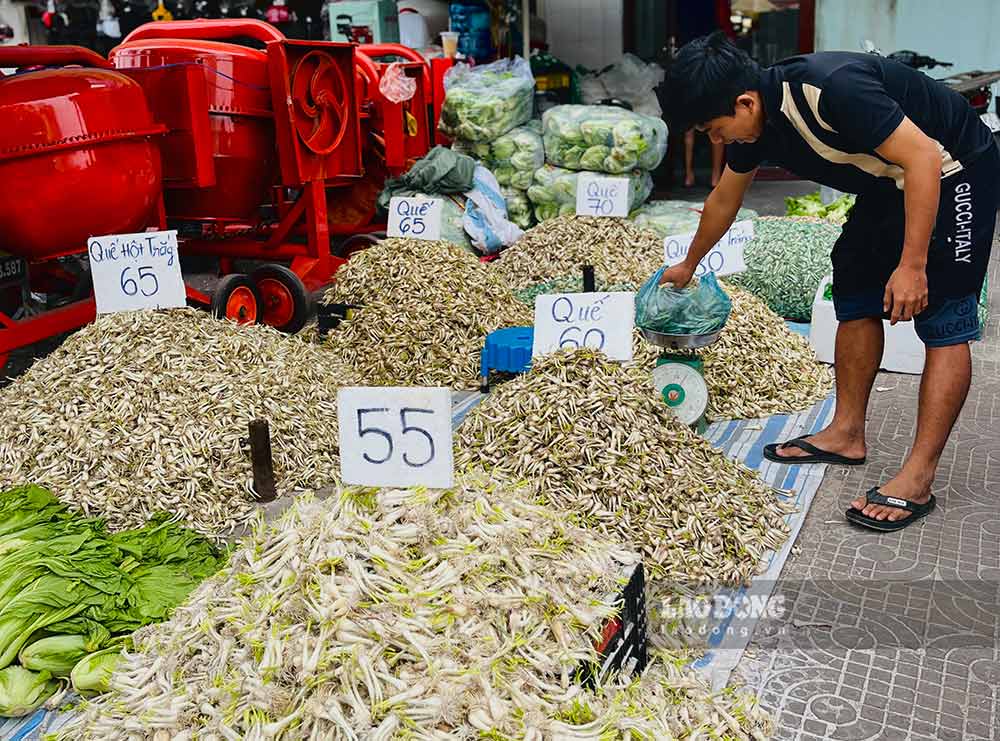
(554, 191)
(669, 218)
(513, 158)
(519, 208)
(516, 155)
(452, 219)
(701, 307)
(602, 138)
(482, 103)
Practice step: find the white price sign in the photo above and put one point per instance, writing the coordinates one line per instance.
(416, 218)
(725, 258)
(602, 321)
(136, 271)
(601, 196)
(392, 436)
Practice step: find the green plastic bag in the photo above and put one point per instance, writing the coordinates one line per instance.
(439, 172)
(701, 307)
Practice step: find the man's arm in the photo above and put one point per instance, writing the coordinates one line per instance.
(721, 207)
(920, 158)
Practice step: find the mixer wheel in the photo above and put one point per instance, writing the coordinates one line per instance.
(236, 297)
(285, 302)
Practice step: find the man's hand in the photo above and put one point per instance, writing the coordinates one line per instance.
(678, 275)
(905, 293)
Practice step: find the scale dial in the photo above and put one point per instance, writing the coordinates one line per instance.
(683, 389)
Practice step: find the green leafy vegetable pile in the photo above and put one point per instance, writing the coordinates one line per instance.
(602, 138)
(812, 205)
(483, 103)
(68, 588)
(670, 218)
(554, 191)
(786, 260)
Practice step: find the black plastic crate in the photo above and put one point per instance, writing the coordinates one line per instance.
(623, 644)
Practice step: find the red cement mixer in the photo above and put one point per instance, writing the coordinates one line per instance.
(243, 141)
(79, 156)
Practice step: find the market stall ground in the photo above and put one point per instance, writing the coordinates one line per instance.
(825, 674)
(896, 636)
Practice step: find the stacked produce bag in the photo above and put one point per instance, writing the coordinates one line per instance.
(513, 159)
(554, 191)
(603, 139)
(596, 139)
(486, 112)
(484, 103)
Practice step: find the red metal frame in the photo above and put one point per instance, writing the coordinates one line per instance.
(301, 235)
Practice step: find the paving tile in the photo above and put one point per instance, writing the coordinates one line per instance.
(913, 648)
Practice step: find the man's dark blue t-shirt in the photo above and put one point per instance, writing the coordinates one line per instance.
(826, 113)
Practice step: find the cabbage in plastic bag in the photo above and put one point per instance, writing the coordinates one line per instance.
(482, 103)
(519, 208)
(670, 218)
(452, 219)
(701, 307)
(512, 158)
(602, 139)
(516, 155)
(554, 191)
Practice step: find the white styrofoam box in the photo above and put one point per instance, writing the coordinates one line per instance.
(904, 352)
(380, 16)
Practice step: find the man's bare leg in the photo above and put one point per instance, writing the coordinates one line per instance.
(857, 356)
(718, 152)
(943, 389)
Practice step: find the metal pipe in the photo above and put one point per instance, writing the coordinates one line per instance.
(526, 29)
(26, 56)
(207, 29)
(261, 461)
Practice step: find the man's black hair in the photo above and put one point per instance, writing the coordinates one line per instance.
(705, 79)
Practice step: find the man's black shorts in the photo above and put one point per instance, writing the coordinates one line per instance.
(871, 244)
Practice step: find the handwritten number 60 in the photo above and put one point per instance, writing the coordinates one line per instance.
(593, 338)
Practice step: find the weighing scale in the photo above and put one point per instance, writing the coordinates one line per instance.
(679, 374)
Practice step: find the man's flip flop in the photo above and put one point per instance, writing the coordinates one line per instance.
(874, 496)
(816, 455)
